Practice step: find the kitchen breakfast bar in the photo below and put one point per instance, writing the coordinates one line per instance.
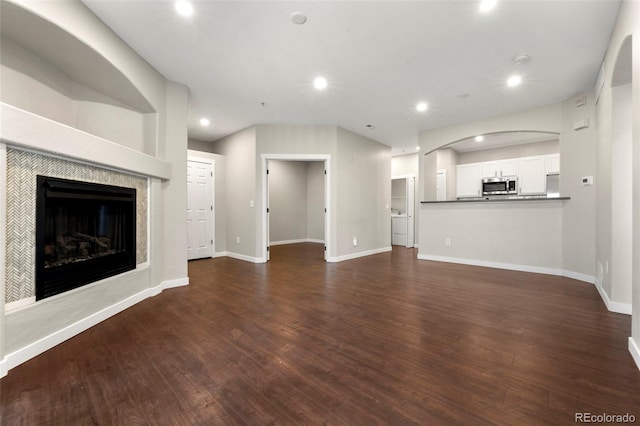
(518, 233)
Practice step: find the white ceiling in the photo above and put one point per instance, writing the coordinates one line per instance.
(380, 58)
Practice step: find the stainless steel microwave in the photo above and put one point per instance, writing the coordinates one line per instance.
(504, 185)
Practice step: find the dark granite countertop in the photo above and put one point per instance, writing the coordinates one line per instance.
(498, 199)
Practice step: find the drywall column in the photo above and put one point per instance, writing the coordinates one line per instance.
(578, 159)
(174, 150)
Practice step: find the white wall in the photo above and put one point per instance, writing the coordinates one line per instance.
(287, 201)
(447, 159)
(578, 159)
(515, 151)
(405, 165)
(621, 195)
(364, 176)
(302, 140)
(239, 151)
(513, 235)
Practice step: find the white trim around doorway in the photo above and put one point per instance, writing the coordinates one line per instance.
(326, 158)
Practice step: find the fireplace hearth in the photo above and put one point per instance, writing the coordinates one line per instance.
(85, 232)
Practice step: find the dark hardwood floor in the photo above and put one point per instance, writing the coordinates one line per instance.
(385, 339)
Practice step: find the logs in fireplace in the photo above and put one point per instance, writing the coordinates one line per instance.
(85, 232)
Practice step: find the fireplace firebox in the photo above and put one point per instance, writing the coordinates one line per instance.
(84, 232)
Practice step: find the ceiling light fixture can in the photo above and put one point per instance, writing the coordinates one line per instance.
(422, 107)
(514, 80)
(205, 122)
(184, 8)
(320, 83)
(487, 5)
(479, 138)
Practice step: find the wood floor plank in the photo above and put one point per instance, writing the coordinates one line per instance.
(385, 339)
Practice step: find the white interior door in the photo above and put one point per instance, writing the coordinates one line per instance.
(200, 213)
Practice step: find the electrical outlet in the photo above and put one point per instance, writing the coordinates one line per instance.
(355, 242)
(238, 240)
(447, 242)
(606, 266)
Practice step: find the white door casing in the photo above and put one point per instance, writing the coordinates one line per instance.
(200, 209)
(326, 159)
(410, 211)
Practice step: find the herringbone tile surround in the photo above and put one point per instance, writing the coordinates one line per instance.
(22, 169)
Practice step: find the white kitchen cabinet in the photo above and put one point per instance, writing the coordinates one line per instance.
(532, 178)
(499, 168)
(469, 180)
(552, 163)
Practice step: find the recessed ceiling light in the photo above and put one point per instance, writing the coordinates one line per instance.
(418, 148)
(487, 5)
(184, 8)
(422, 107)
(204, 122)
(479, 138)
(320, 83)
(298, 18)
(514, 81)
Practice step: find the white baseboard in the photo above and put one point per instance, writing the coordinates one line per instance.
(303, 240)
(175, 283)
(578, 276)
(16, 358)
(617, 307)
(635, 351)
(219, 254)
(243, 257)
(358, 254)
(620, 308)
(488, 264)
(3, 368)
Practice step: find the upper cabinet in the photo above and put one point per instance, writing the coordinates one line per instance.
(532, 179)
(531, 172)
(499, 168)
(469, 180)
(552, 163)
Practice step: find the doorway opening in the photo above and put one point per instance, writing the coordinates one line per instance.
(296, 202)
(403, 211)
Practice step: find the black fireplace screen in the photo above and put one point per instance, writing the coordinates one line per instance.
(84, 232)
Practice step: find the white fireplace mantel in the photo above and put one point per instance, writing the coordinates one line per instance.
(24, 129)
